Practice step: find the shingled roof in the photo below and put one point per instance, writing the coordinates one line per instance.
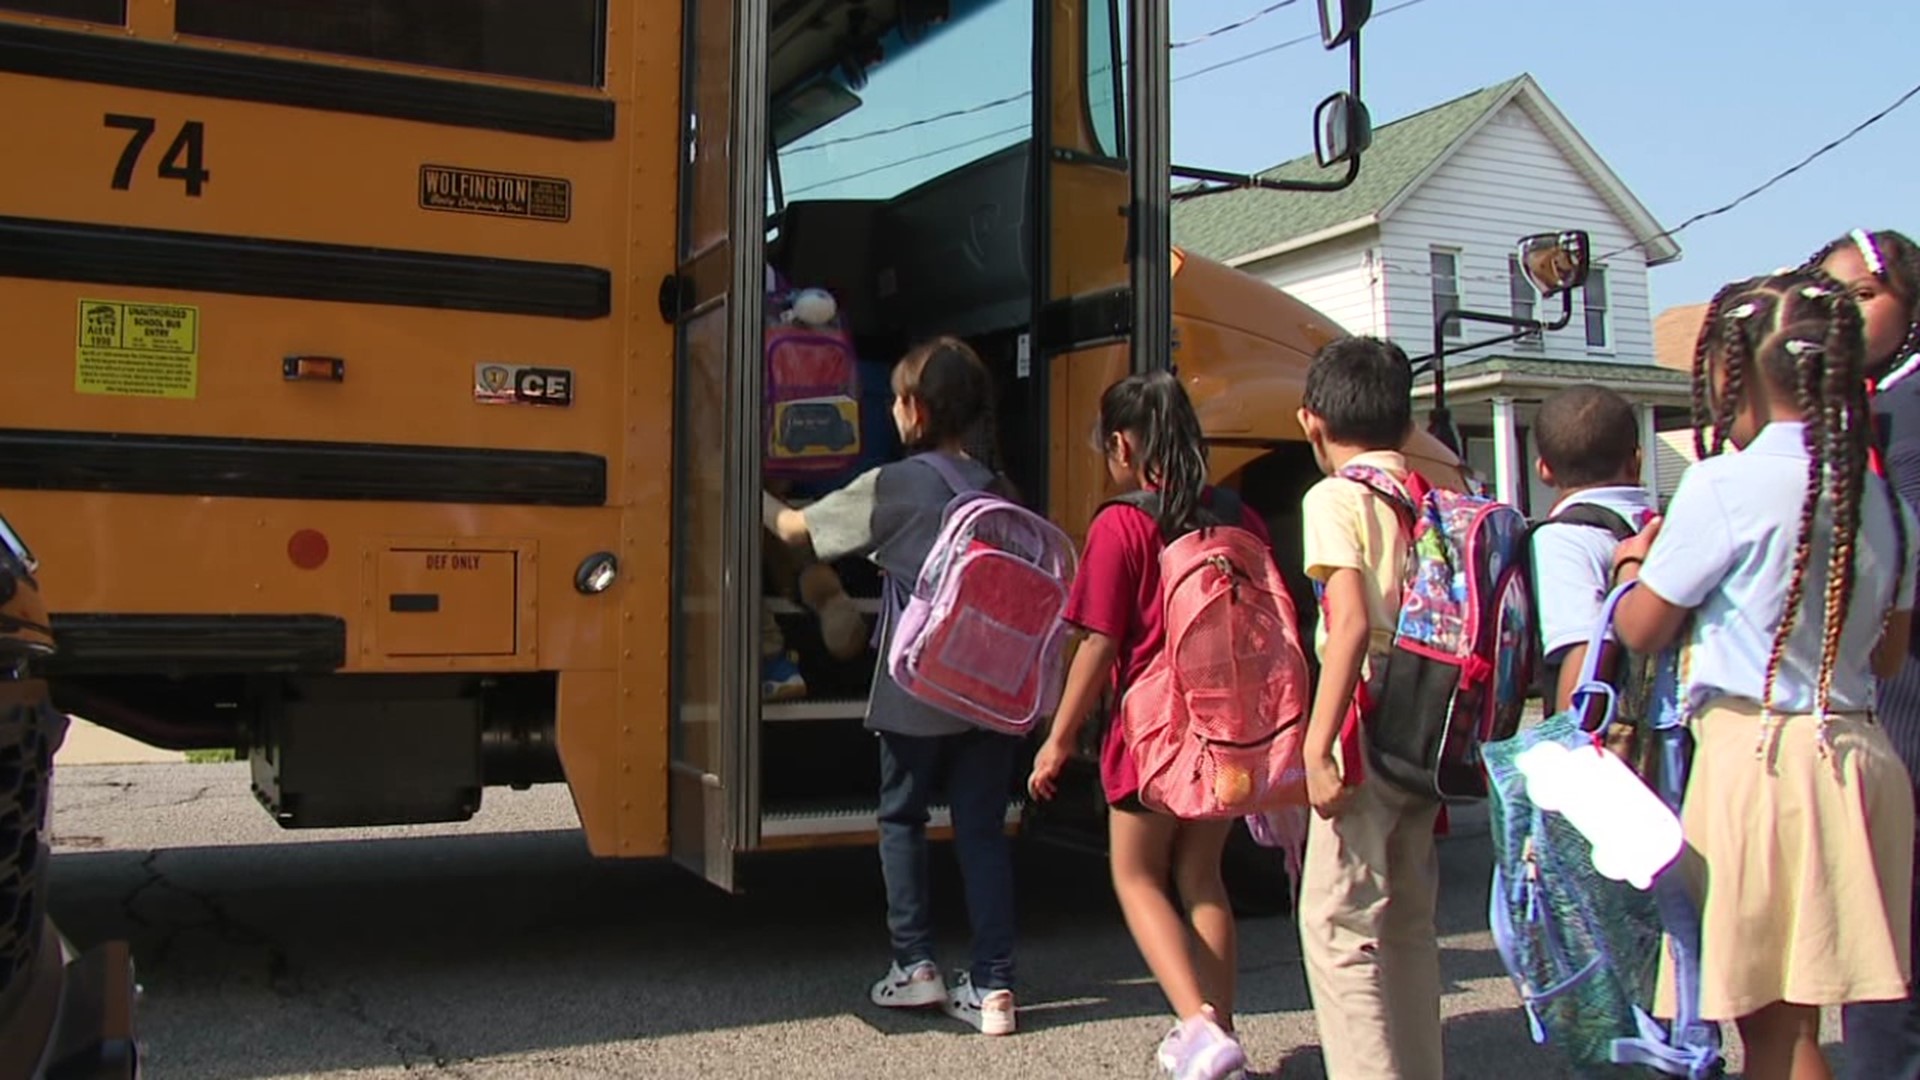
(1232, 226)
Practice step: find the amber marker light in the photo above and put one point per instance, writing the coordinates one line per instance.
(314, 369)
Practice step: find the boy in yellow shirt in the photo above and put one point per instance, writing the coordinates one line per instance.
(1371, 874)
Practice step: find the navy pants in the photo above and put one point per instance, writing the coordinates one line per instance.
(1882, 1038)
(974, 771)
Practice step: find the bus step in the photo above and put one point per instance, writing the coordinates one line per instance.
(849, 817)
(827, 709)
(780, 605)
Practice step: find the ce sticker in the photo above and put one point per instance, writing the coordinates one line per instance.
(519, 384)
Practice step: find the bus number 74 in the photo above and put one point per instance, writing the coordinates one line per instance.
(185, 160)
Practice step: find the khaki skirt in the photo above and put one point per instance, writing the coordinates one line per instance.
(1803, 864)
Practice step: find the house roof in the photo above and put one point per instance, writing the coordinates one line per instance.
(1247, 225)
(1484, 376)
(1674, 333)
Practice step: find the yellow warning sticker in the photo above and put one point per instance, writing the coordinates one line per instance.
(137, 350)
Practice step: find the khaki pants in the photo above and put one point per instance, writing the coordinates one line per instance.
(1367, 897)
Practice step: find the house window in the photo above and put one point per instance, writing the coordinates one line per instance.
(1521, 295)
(1446, 287)
(1599, 335)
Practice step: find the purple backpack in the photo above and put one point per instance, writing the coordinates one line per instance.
(979, 636)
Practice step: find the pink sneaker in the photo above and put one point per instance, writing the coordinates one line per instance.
(1197, 1049)
(990, 1012)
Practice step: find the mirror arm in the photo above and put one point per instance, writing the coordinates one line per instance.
(1231, 181)
(1441, 421)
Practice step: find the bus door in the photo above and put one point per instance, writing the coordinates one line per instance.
(1083, 294)
(716, 299)
(1093, 249)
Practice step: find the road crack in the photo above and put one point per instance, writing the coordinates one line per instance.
(413, 1048)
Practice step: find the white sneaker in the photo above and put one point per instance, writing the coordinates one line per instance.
(990, 1013)
(913, 988)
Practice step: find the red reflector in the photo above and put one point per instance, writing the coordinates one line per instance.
(316, 368)
(308, 549)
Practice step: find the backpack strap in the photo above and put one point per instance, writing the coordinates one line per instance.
(950, 472)
(1406, 498)
(1402, 495)
(894, 593)
(1589, 514)
(1223, 508)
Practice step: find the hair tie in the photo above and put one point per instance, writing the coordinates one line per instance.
(1800, 347)
(1743, 312)
(1869, 253)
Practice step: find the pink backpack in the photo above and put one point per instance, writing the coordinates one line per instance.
(812, 395)
(1216, 722)
(980, 635)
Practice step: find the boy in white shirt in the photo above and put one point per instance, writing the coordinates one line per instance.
(1590, 455)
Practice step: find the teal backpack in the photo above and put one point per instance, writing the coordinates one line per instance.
(1582, 949)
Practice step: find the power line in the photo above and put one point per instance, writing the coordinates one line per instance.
(1776, 178)
(906, 160)
(909, 125)
(1222, 31)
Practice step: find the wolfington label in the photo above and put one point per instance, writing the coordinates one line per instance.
(137, 350)
(472, 191)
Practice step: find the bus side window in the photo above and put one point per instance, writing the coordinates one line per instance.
(562, 41)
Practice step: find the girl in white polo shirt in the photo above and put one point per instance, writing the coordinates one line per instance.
(1780, 566)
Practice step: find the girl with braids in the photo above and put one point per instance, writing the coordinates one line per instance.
(1781, 565)
(1151, 439)
(893, 515)
(1882, 270)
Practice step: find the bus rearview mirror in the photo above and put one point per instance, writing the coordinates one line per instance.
(1342, 129)
(1554, 263)
(1341, 20)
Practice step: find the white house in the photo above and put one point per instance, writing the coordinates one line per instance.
(1430, 225)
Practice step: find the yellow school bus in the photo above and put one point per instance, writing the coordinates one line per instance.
(384, 376)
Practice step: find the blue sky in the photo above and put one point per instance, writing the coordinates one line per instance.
(1692, 102)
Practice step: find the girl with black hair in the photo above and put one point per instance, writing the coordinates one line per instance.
(1882, 271)
(1781, 566)
(893, 515)
(1151, 440)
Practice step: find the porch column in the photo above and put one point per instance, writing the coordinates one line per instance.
(1506, 475)
(1649, 448)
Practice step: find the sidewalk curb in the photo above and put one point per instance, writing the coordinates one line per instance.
(88, 743)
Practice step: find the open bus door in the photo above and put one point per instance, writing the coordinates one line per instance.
(715, 297)
(1102, 276)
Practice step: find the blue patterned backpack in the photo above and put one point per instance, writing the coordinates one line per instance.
(1582, 949)
(1464, 648)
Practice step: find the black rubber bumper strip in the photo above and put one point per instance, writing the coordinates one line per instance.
(116, 60)
(36, 460)
(105, 644)
(297, 270)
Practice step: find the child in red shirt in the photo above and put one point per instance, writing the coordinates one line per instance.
(1152, 441)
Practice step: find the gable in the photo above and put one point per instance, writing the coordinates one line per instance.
(1506, 179)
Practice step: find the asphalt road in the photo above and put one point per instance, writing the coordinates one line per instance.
(500, 949)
